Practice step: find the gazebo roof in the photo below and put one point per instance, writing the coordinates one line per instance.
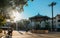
(39, 16)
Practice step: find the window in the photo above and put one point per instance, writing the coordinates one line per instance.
(58, 20)
(59, 25)
(59, 17)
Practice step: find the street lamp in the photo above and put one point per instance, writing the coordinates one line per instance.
(52, 5)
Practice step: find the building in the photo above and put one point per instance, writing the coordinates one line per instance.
(56, 22)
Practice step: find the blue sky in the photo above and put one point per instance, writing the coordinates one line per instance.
(41, 7)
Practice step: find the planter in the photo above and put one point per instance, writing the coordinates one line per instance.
(33, 31)
(46, 31)
(40, 31)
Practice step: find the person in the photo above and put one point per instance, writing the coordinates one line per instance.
(10, 31)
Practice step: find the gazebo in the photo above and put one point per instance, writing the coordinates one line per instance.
(38, 23)
(38, 20)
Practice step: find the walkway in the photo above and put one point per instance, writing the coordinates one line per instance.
(22, 34)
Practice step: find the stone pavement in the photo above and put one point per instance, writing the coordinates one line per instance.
(22, 34)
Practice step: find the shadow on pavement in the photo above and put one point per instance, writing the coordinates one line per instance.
(21, 33)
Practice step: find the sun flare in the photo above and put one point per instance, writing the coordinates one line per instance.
(15, 16)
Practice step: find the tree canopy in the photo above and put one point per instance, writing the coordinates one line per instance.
(6, 6)
(13, 4)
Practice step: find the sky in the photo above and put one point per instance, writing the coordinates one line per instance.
(41, 7)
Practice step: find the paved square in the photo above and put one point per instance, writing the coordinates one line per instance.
(22, 34)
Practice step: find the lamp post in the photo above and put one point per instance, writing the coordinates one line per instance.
(52, 5)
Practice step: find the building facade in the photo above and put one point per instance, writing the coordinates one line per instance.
(56, 22)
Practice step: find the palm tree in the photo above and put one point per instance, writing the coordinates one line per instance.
(52, 5)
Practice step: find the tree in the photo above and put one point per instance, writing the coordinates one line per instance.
(47, 26)
(23, 24)
(2, 20)
(52, 5)
(20, 26)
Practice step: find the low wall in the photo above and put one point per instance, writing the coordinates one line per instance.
(40, 31)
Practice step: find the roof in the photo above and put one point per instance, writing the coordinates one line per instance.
(39, 16)
(4, 28)
(58, 14)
